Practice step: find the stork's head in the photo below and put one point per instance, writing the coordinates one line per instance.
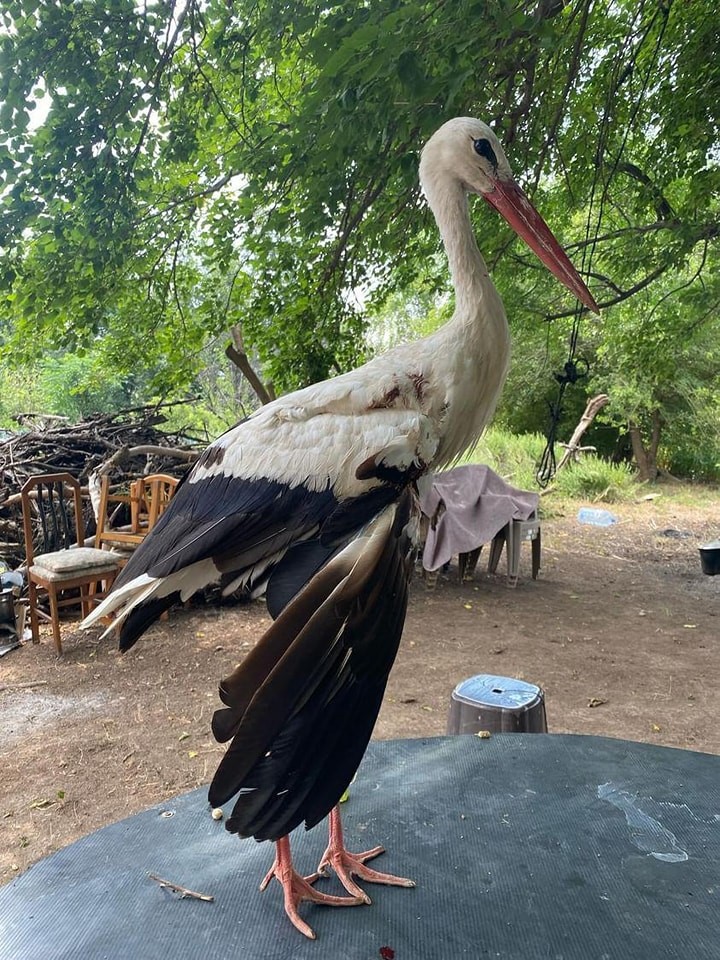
(467, 150)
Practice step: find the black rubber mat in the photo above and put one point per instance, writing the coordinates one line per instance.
(523, 846)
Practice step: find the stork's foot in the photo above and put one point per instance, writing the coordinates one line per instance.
(348, 865)
(297, 888)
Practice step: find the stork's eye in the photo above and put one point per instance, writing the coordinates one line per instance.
(483, 149)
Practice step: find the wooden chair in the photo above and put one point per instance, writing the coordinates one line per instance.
(118, 520)
(150, 496)
(57, 560)
(139, 507)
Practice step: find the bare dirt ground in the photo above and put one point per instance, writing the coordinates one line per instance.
(621, 631)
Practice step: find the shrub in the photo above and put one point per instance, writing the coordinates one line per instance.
(515, 458)
(598, 480)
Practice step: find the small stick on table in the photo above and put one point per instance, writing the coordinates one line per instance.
(183, 891)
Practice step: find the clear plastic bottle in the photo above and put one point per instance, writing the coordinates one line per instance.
(596, 517)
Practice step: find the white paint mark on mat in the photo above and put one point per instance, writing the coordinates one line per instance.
(646, 833)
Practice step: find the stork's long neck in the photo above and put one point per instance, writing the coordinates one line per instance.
(476, 299)
(476, 342)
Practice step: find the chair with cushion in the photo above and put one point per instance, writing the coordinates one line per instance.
(57, 560)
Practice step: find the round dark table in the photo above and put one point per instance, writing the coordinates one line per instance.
(523, 846)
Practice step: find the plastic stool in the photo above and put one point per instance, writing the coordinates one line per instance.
(513, 534)
(497, 704)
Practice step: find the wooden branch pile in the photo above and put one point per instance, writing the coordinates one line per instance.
(126, 444)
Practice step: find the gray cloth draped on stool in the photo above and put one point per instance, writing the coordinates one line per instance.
(467, 507)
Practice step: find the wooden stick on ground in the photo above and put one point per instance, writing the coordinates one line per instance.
(22, 686)
(183, 891)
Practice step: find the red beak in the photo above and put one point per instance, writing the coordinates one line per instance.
(512, 203)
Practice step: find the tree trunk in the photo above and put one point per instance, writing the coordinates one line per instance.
(646, 456)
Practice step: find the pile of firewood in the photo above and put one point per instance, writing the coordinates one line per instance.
(126, 445)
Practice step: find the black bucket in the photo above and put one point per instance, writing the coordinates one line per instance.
(710, 558)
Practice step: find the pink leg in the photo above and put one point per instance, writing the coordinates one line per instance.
(297, 888)
(346, 865)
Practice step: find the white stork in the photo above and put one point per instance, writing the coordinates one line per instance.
(311, 497)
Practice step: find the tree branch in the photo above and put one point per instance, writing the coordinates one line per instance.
(624, 295)
(241, 361)
(662, 206)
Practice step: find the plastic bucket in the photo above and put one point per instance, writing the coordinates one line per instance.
(710, 558)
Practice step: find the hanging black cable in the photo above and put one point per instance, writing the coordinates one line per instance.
(622, 69)
(575, 369)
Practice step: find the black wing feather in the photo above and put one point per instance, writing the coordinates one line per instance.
(297, 567)
(142, 617)
(284, 668)
(228, 518)
(300, 733)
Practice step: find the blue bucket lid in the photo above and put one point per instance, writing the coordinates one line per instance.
(492, 690)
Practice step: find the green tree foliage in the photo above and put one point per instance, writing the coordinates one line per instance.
(658, 358)
(193, 165)
(68, 385)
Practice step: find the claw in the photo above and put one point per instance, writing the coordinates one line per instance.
(297, 888)
(347, 865)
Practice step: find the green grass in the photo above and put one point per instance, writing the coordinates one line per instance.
(689, 494)
(597, 480)
(515, 457)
